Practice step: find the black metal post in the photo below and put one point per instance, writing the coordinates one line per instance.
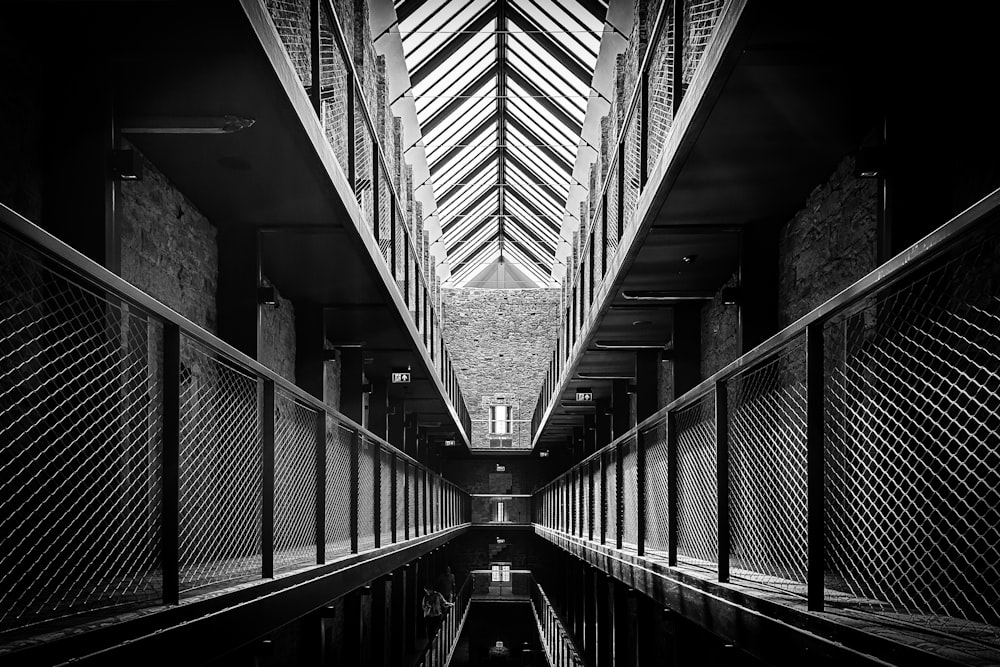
(352, 149)
(604, 500)
(406, 500)
(640, 492)
(314, 52)
(815, 474)
(619, 495)
(321, 488)
(644, 127)
(170, 453)
(394, 510)
(722, 475)
(267, 478)
(355, 446)
(377, 493)
(672, 488)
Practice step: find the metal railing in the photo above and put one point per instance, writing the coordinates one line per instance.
(437, 652)
(143, 460)
(560, 649)
(677, 44)
(852, 460)
(325, 64)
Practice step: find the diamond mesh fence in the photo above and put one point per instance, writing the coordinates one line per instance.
(632, 167)
(220, 470)
(339, 440)
(598, 493)
(661, 91)
(912, 446)
(585, 508)
(295, 429)
(400, 499)
(384, 215)
(699, 23)
(630, 493)
(293, 21)
(657, 489)
(385, 491)
(414, 510)
(334, 81)
(611, 205)
(697, 505)
(80, 442)
(367, 469)
(610, 496)
(363, 165)
(767, 473)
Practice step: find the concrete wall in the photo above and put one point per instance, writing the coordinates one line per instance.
(500, 341)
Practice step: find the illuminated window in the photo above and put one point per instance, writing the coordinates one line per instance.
(500, 420)
(501, 515)
(500, 572)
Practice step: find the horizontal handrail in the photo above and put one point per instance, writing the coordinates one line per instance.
(20, 227)
(889, 273)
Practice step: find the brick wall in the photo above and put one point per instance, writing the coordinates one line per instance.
(500, 341)
(829, 244)
(277, 337)
(168, 247)
(720, 332)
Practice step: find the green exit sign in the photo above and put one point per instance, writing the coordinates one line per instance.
(584, 395)
(401, 377)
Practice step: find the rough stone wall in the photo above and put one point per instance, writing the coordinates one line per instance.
(277, 337)
(829, 244)
(168, 248)
(500, 341)
(720, 332)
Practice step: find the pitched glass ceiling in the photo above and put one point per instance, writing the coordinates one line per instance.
(501, 89)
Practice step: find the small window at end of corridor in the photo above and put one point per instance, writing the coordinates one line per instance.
(500, 420)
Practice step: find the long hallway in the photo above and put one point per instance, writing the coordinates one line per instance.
(670, 329)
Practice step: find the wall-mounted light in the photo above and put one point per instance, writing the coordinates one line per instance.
(869, 162)
(126, 165)
(730, 296)
(227, 124)
(267, 296)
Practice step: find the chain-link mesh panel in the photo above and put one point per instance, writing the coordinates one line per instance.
(597, 241)
(334, 82)
(293, 20)
(400, 500)
(385, 491)
(767, 470)
(598, 490)
(697, 502)
(661, 91)
(80, 442)
(912, 445)
(657, 488)
(632, 166)
(584, 495)
(384, 215)
(611, 493)
(295, 428)
(339, 440)
(699, 23)
(220, 470)
(630, 493)
(436, 490)
(366, 502)
(400, 254)
(611, 204)
(363, 164)
(414, 513)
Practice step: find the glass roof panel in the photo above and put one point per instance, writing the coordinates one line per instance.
(501, 90)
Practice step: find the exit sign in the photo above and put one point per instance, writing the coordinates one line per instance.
(401, 378)
(584, 395)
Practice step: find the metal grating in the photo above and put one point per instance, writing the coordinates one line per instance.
(400, 499)
(699, 23)
(598, 490)
(293, 21)
(366, 485)
(611, 496)
(632, 166)
(385, 491)
(661, 91)
(697, 503)
(411, 472)
(912, 446)
(630, 493)
(767, 477)
(657, 489)
(363, 166)
(611, 204)
(295, 429)
(80, 404)
(385, 211)
(220, 470)
(338, 488)
(334, 81)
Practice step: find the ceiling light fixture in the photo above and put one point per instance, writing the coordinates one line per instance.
(228, 124)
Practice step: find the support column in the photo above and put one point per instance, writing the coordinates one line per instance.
(378, 407)
(757, 295)
(604, 646)
(310, 357)
(687, 348)
(621, 408)
(396, 429)
(396, 628)
(236, 292)
(380, 636)
(589, 614)
(602, 424)
(589, 435)
(410, 434)
(351, 383)
(647, 381)
(351, 645)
